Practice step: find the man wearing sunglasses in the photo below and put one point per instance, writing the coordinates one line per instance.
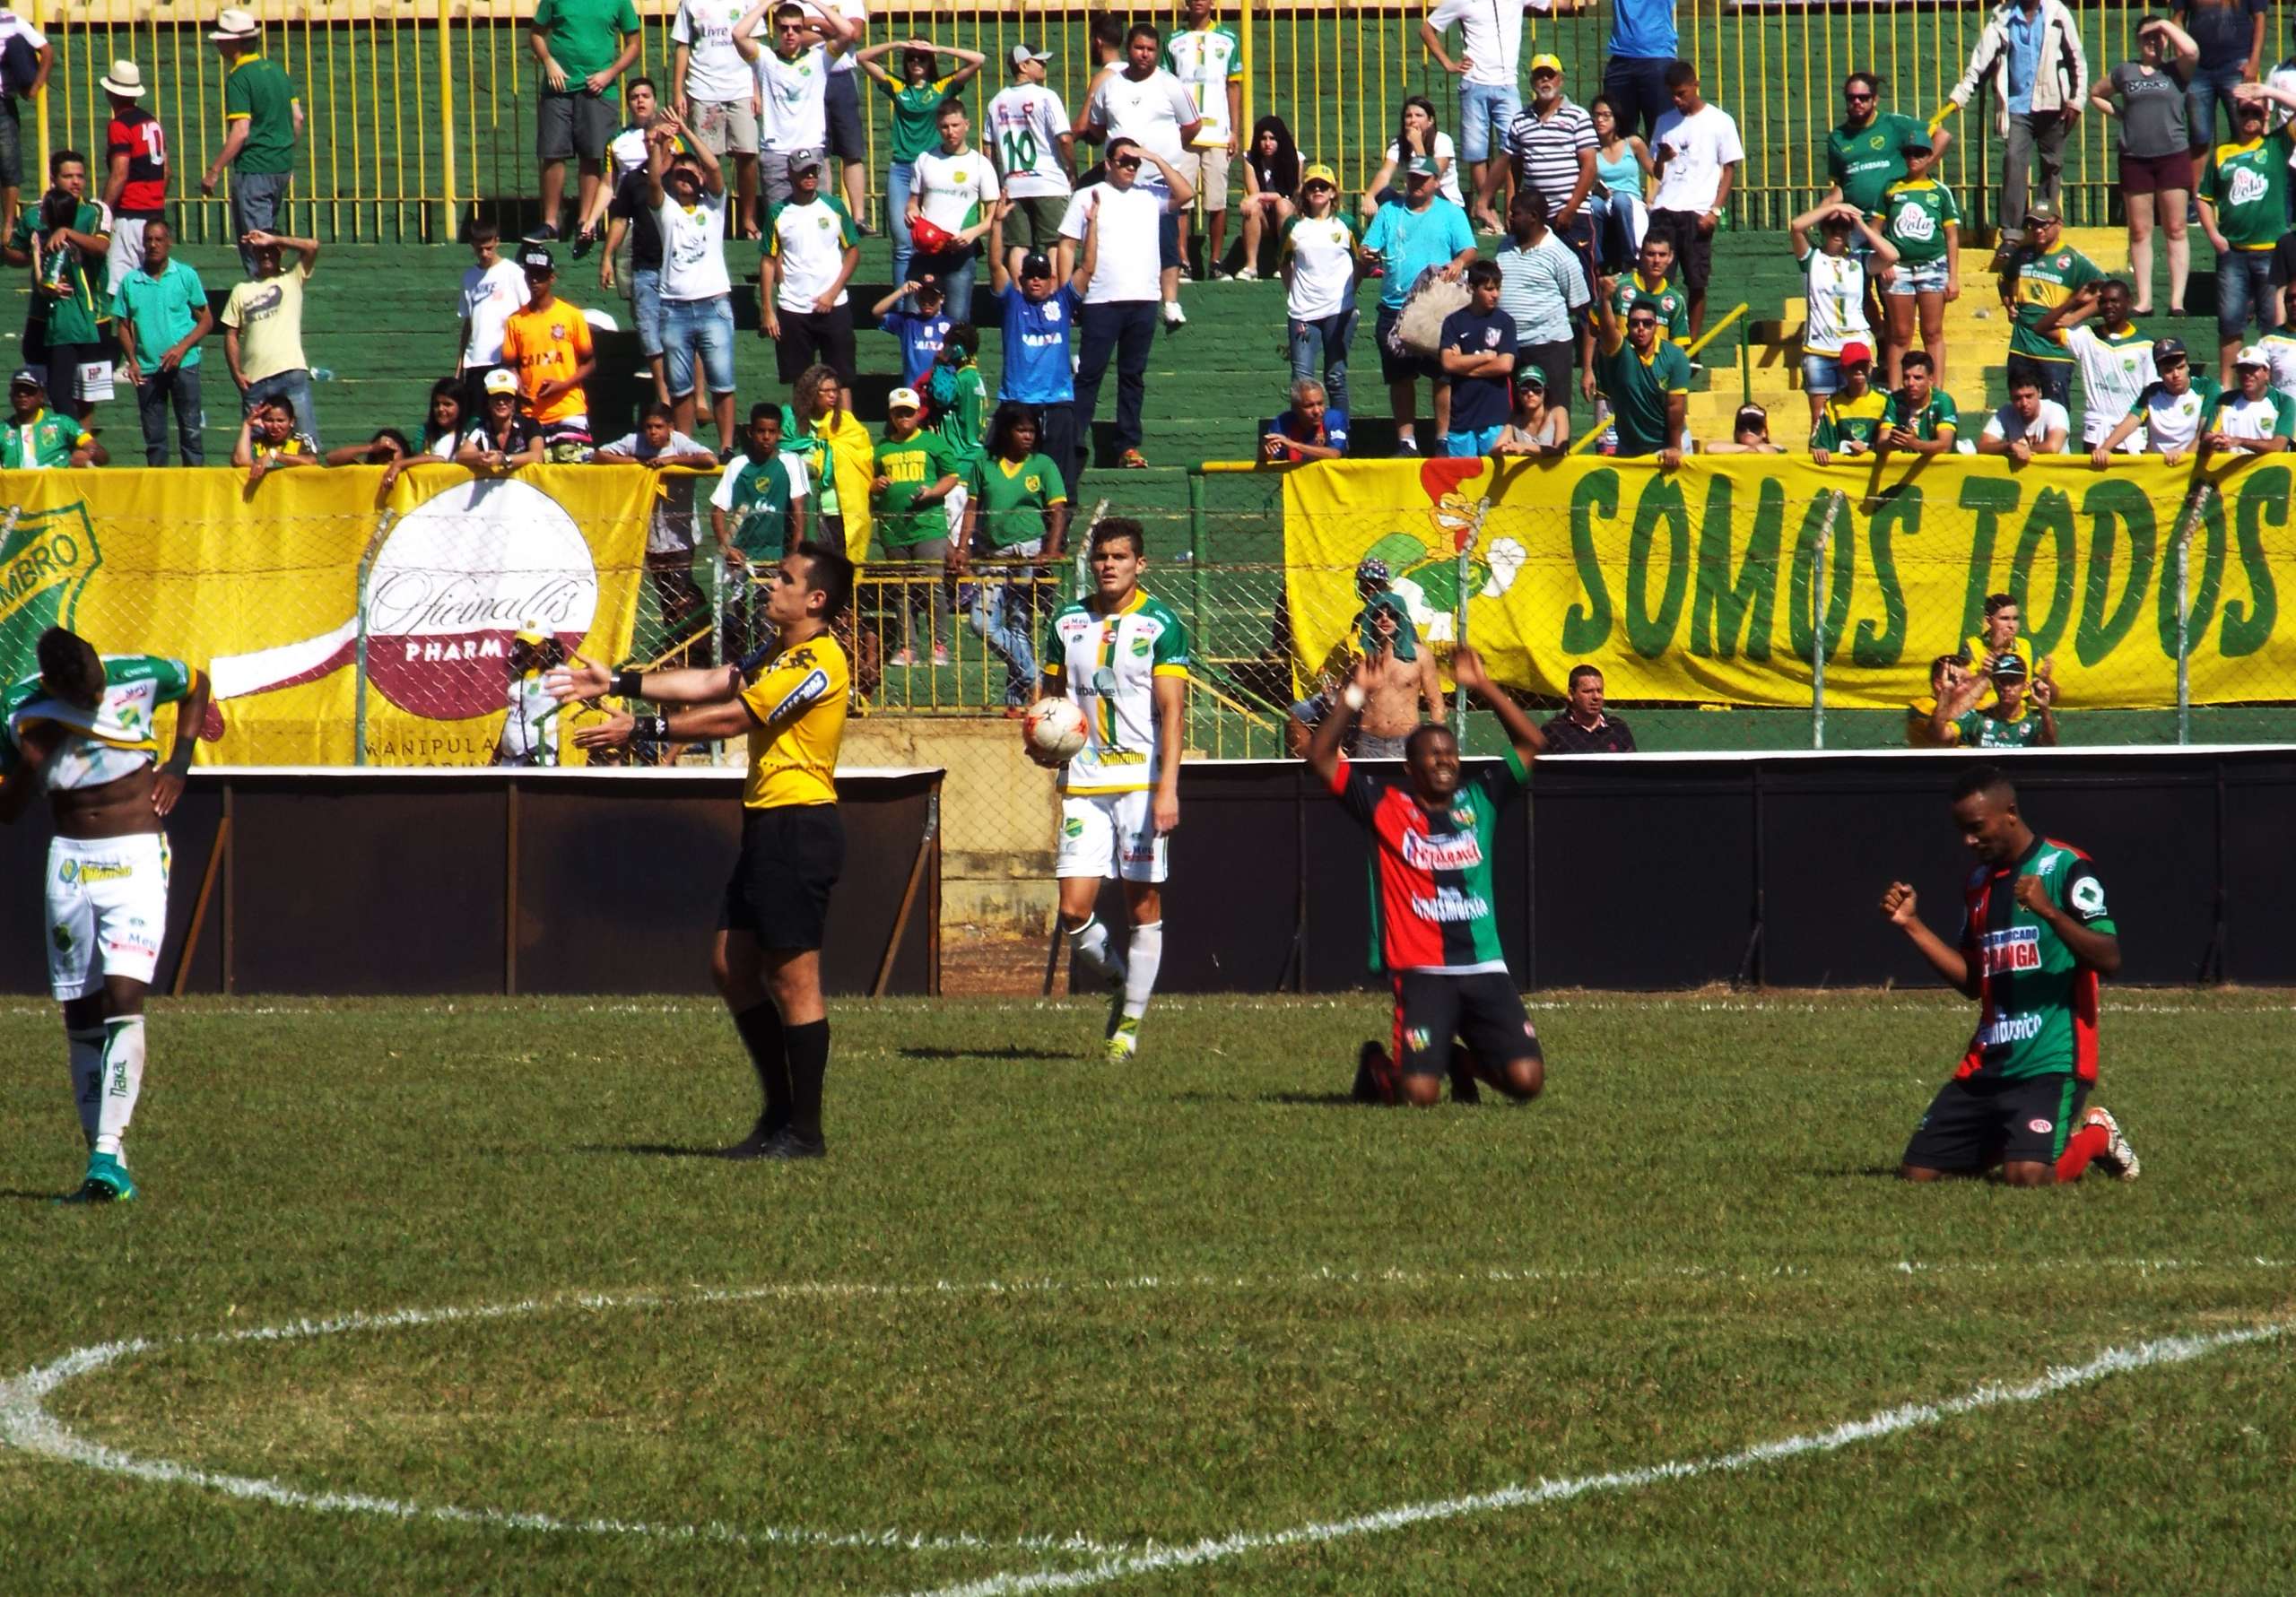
(1116, 223)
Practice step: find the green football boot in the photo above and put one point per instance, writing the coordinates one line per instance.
(107, 1182)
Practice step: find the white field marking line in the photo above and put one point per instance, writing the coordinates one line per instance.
(26, 1425)
(1889, 1422)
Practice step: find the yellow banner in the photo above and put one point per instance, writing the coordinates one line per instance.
(261, 588)
(1707, 585)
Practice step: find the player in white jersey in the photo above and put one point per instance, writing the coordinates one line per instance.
(1122, 658)
(84, 730)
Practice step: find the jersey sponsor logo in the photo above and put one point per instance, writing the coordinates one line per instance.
(1119, 756)
(2040, 1127)
(1451, 907)
(1074, 826)
(802, 696)
(2089, 896)
(88, 873)
(2248, 186)
(2017, 948)
(2009, 1029)
(1424, 853)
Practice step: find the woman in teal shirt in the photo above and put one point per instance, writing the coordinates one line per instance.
(1621, 173)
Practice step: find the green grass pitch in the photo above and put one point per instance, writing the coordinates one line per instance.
(1038, 1324)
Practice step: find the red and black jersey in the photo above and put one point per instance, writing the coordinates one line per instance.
(137, 135)
(1432, 907)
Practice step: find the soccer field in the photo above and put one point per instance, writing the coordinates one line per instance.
(426, 1297)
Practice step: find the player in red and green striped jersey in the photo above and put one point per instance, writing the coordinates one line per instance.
(2036, 935)
(1432, 832)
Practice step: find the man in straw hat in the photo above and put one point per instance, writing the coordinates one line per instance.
(263, 117)
(135, 181)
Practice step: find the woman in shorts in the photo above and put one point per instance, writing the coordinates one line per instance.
(2155, 163)
(1923, 225)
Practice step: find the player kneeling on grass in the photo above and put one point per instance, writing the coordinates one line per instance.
(1121, 658)
(767, 958)
(1432, 910)
(2035, 936)
(83, 730)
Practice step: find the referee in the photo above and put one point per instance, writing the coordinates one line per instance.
(766, 959)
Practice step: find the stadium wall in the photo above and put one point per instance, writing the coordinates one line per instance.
(1652, 872)
(365, 883)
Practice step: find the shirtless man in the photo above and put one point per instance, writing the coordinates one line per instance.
(1400, 683)
(83, 730)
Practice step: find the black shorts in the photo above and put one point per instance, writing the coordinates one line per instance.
(791, 856)
(841, 101)
(811, 336)
(1694, 248)
(1977, 1124)
(1404, 367)
(1483, 1011)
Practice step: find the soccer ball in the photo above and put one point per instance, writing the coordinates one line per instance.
(1054, 726)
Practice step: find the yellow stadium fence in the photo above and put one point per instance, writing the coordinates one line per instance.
(420, 112)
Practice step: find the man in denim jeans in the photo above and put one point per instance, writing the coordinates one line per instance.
(2244, 208)
(1491, 97)
(263, 328)
(162, 310)
(263, 117)
(2230, 37)
(687, 190)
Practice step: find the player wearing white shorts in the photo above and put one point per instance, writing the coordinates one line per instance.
(1121, 658)
(84, 730)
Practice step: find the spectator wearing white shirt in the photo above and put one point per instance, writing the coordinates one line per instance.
(1148, 107)
(714, 93)
(2027, 426)
(953, 189)
(686, 189)
(1697, 149)
(1116, 222)
(2279, 349)
(810, 252)
(2169, 412)
(2116, 359)
(1207, 57)
(1318, 250)
(1034, 151)
(658, 444)
(1491, 97)
(491, 289)
(2255, 418)
(25, 59)
(792, 88)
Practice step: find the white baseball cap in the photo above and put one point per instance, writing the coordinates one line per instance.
(2252, 355)
(501, 380)
(904, 399)
(1021, 52)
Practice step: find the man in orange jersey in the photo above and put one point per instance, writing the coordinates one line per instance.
(548, 344)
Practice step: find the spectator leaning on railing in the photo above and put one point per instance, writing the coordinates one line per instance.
(1919, 417)
(1853, 421)
(2253, 418)
(2030, 424)
(2169, 412)
(1534, 427)
(1947, 672)
(2015, 719)
(37, 439)
(270, 441)
(1313, 429)
(1646, 378)
(499, 439)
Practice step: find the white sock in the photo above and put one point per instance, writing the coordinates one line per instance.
(1088, 949)
(123, 1082)
(1147, 954)
(87, 1046)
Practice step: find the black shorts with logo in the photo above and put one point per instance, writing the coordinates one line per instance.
(1483, 1011)
(1977, 1122)
(791, 856)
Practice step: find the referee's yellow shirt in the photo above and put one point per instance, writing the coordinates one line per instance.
(799, 699)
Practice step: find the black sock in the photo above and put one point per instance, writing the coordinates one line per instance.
(763, 1035)
(808, 1063)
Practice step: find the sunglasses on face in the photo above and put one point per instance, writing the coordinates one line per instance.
(1859, 98)
(1126, 164)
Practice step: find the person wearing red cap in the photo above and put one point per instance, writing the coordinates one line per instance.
(1851, 421)
(1835, 277)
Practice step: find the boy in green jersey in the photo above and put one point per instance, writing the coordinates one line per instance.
(2016, 719)
(2036, 935)
(914, 476)
(758, 514)
(1918, 418)
(1017, 512)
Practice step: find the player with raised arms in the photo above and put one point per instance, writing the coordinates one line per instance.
(86, 729)
(2035, 937)
(1432, 913)
(1121, 658)
(765, 957)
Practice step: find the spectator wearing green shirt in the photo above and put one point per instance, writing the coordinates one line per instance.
(1866, 152)
(1918, 417)
(914, 476)
(162, 314)
(37, 438)
(758, 515)
(583, 45)
(2015, 719)
(67, 169)
(1646, 377)
(2244, 210)
(1017, 513)
(917, 108)
(1921, 221)
(67, 239)
(263, 117)
(2040, 274)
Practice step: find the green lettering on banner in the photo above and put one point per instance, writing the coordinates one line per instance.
(2204, 573)
(1991, 500)
(1748, 599)
(2112, 506)
(1649, 635)
(1800, 601)
(1587, 627)
(1885, 646)
(2248, 628)
(2051, 517)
